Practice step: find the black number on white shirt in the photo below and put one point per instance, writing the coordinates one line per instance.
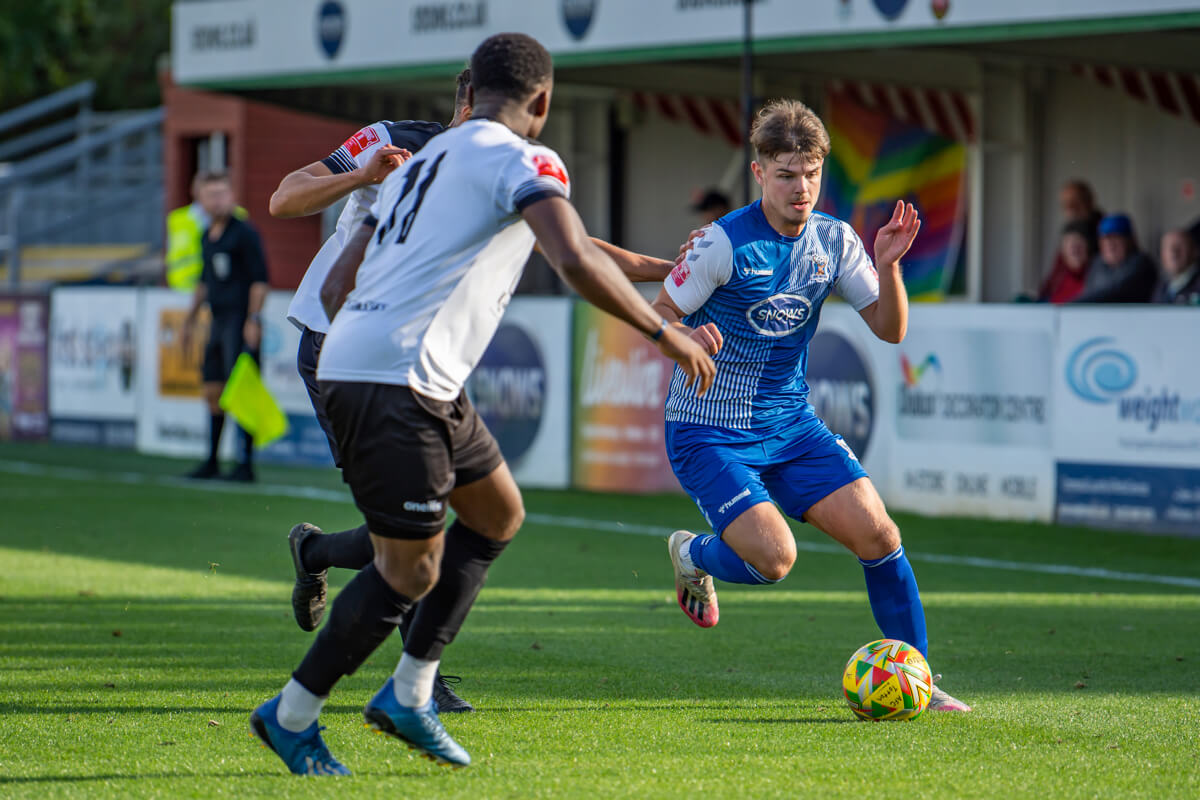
(410, 180)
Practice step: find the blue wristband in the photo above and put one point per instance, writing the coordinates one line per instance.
(659, 333)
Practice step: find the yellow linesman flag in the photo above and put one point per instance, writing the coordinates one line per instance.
(247, 399)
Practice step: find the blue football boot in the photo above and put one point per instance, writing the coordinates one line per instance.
(304, 753)
(419, 728)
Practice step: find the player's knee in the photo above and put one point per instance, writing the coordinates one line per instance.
(776, 567)
(411, 578)
(883, 539)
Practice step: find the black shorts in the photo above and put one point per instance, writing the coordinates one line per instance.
(306, 364)
(402, 453)
(225, 344)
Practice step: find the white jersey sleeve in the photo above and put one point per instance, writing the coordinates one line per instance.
(708, 266)
(857, 281)
(356, 151)
(534, 173)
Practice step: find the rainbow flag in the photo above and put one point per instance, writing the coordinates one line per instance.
(876, 160)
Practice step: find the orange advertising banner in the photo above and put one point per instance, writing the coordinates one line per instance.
(179, 371)
(620, 384)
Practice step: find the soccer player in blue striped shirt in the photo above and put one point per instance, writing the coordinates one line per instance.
(751, 289)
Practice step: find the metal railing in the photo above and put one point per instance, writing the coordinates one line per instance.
(98, 181)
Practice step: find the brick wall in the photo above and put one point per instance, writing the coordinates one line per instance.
(263, 143)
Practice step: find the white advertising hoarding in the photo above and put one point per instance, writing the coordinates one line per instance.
(1127, 432)
(972, 396)
(93, 365)
(234, 40)
(172, 416)
(522, 386)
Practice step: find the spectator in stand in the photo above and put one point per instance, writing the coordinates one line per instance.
(1121, 273)
(1180, 280)
(1076, 249)
(713, 205)
(1078, 202)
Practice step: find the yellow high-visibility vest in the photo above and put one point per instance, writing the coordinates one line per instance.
(185, 227)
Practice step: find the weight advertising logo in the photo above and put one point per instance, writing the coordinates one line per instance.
(1100, 373)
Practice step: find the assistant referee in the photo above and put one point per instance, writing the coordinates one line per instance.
(233, 283)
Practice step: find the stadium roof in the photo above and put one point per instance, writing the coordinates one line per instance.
(245, 44)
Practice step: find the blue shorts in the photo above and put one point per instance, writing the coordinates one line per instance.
(726, 472)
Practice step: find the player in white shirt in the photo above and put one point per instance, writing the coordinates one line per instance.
(450, 234)
(356, 168)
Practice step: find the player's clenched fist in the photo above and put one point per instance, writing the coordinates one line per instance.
(709, 338)
(384, 161)
(690, 356)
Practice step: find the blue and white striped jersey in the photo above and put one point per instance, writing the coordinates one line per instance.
(764, 292)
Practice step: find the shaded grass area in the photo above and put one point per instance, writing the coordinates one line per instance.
(140, 622)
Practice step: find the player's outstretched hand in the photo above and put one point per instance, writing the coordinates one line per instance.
(686, 247)
(709, 337)
(893, 240)
(384, 161)
(690, 356)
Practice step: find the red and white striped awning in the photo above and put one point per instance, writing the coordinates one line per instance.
(945, 112)
(712, 116)
(1177, 93)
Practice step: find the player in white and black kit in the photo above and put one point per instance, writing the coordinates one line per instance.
(356, 168)
(449, 237)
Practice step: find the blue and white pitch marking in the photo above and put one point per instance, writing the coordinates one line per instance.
(553, 520)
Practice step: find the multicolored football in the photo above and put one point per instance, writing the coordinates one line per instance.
(887, 679)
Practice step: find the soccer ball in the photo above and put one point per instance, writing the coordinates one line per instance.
(887, 679)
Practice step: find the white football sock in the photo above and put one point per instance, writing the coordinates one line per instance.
(298, 707)
(685, 557)
(413, 680)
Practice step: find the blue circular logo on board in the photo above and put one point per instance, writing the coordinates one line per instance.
(577, 16)
(840, 389)
(331, 26)
(891, 8)
(508, 388)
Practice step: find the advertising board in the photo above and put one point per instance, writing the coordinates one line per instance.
(972, 395)
(93, 365)
(23, 368)
(1127, 432)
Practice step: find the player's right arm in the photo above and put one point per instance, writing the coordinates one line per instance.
(362, 160)
(588, 270)
(705, 264)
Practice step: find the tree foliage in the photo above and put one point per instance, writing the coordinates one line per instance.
(47, 45)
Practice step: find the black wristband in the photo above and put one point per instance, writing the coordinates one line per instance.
(658, 333)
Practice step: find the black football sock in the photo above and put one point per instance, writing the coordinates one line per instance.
(363, 616)
(441, 613)
(350, 549)
(216, 425)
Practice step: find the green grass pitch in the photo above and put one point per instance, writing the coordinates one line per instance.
(142, 619)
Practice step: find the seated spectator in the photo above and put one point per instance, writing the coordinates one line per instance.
(1078, 204)
(1076, 249)
(1121, 273)
(1180, 280)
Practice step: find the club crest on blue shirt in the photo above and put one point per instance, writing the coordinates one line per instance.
(779, 314)
(820, 268)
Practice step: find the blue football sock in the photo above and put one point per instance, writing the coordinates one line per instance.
(718, 559)
(895, 601)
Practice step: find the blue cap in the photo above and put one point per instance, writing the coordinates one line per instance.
(1116, 225)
